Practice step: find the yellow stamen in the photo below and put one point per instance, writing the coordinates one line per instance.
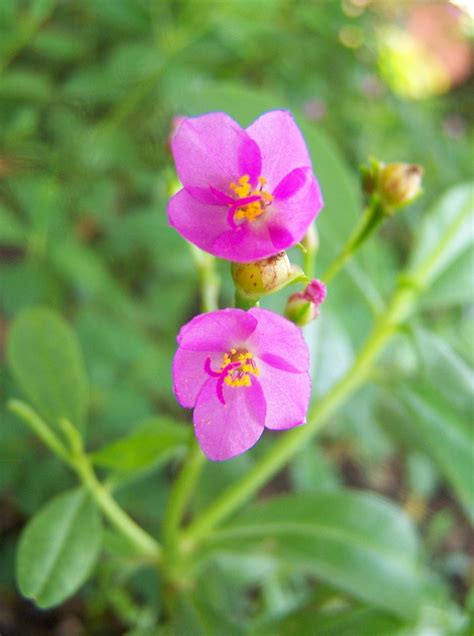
(239, 375)
(243, 189)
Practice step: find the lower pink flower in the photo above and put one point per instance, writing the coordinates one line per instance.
(241, 372)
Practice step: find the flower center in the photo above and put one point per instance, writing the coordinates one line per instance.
(237, 367)
(250, 203)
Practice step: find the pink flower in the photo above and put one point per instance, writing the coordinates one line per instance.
(241, 371)
(248, 194)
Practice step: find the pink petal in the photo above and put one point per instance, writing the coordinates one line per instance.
(281, 237)
(248, 242)
(226, 430)
(291, 183)
(200, 223)
(189, 376)
(213, 150)
(277, 336)
(281, 144)
(217, 331)
(287, 396)
(291, 217)
(278, 362)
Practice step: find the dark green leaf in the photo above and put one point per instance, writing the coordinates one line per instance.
(448, 228)
(439, 429)
(46, 361)
(156, 440)
(58, 549)
(357, 542)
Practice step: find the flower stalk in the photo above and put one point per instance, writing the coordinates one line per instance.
(183, 486)
(402, 303)
(76, 458)
(368, 224)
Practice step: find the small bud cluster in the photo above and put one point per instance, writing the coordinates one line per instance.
(303, 307)
(396, 184)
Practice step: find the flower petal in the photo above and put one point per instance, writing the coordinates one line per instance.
(189, 375)
(277, 336)
(287, 396)
(291, 183)
(248, 242)
(200, 223)
(226, 430)
(281, 144)
(292, 216)
(217, 330)
(213, 150)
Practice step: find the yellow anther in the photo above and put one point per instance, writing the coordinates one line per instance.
(239, 375)
(242, 190)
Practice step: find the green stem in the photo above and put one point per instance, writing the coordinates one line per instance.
(310, 244)
(369, 222)
(387, 324)
(184, 485)
(114, 513)
(39, 426)
(209, 282)
(77, 459)
(181, 493)
(244, 302)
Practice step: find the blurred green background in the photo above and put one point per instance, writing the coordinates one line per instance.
(88, 91)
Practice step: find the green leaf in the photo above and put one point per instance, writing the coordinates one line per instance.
(357, 542)
(46, 361)
(439, 429)
(348, 622)
(453, 286)
(443, 366)
(448, 229)
(58, 548)
(26, 86)
(156, 440)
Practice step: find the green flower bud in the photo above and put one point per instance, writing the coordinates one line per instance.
(399, 184)
(264, 277)
(299, 310)
(303, 307)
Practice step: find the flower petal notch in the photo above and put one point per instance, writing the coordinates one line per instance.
(241, 372)
(247, 194)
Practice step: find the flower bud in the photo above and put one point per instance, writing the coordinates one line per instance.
(400, 184)
(299, 310)
(264, 277)
(303, 307)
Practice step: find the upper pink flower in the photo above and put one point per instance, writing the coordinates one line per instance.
(248, 194)
(241, 371)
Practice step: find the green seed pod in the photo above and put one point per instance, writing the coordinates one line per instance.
(264, 277)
